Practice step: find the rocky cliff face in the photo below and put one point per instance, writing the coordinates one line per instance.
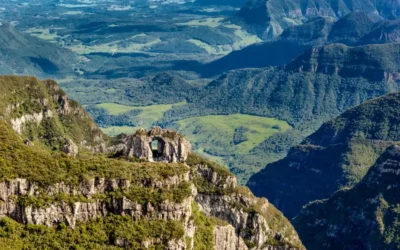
(40, 112)
(248, 222)
(365, 217)
(170, 146)
(336, 156)
(116, 200)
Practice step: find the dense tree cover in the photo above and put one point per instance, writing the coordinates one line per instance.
(337, 155)
(364, 217)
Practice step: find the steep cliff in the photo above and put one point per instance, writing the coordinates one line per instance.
(373, 62)
(336, 156)
(109, 201)
(365, 217)
(40, 112)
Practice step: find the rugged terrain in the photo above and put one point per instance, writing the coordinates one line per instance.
(63, 184)
(336, 156)
(364, 217)
(270, 17)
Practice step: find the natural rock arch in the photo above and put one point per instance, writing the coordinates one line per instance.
(170, 146)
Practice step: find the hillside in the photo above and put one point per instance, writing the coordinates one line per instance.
(365, 217)
(372, 62)
(24, 54)
(352, 29)
(383, 32)
(292, 42)
(113, 200)
(317, 84)
(336, 156)
(269, 18)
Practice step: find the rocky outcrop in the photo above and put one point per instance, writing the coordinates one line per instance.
(248, 219)
(45, 113)
(246, 213)
(17, 194)
(170, 146)
(225, 238)
(174, 205)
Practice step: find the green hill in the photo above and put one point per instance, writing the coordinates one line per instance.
(364, 217)
(337, 155)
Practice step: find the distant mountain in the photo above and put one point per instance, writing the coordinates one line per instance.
(317, 31)
(24, 54)
(373, 62)
(365, 217)
(269, 18)
(351, 28)
(337, 155)
(280, 51)
(65, 185)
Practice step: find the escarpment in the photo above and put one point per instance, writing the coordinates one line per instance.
(40, 112)
(336, 156)
(372, 62)
(364, 217)
(137, 194)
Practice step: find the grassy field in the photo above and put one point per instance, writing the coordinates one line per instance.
(226, 139)
(216, 134)
(145, 119)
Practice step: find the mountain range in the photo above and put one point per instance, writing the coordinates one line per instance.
(370, 211)
(354, 29)
(270, 18)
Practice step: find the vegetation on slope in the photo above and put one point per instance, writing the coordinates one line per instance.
(364, 217)
(112, 233)
(336, 156)
(39, 165)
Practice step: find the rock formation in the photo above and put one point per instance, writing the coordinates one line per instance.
(55, 178)
(157, 145)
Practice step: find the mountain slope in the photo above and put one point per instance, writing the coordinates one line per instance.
(292, 42)
(320, 83)
(337, 155)
(373, 62)
(27, 55)
(365, 217)
(383, 32)
(351, 28)
(295, 40)
(271, 17)
(96, 200)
